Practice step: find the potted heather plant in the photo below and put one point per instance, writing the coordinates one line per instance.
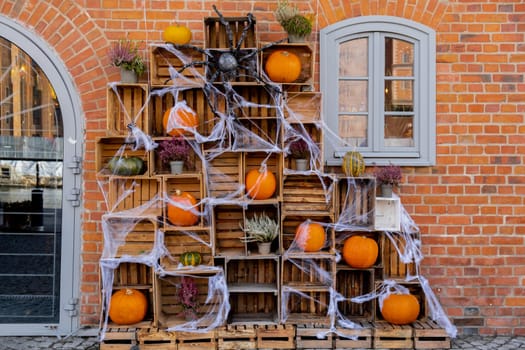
(124, 54)
(188, 296)
(262, 230)
(388, 177)
(175, 152)
(297, 26)
(299, 151)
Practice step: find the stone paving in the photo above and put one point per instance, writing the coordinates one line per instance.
(471, 342)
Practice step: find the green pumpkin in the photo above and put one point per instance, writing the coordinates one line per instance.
(190, 258)
(353, 164)
(126, 166)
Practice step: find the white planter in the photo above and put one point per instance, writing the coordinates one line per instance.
(177, 166)
(128, 76)
(301, 164)
(264, 247)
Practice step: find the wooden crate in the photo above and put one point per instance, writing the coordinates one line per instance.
(257, 134)
(305, 53)
(215, 35)
(313, 337)
(356, 199)
(358, 338)
(148, 321)
(165, 56)
(416, 290)
(193, 169)
(128, 236)
(276, 337)
(133, 274)
(308, 195)
(228, 233)
(200, 340)
(109, 147)
(119, 339)
(341, 238)
(389, 336)
(393, 266)
(302, 107)
(156, 339)
(289, 226)
(168, 308)
(162, 99)
(255, 102)
(305, 305)
(429, 335)
(314, 271)
(127, 103)
(192, 184)
(237, 337)
(352, 283)
(273, 163)
(253, 284)
(312, 134)
(179, 242)
(272, 211)
(130, 193)
(224, 174)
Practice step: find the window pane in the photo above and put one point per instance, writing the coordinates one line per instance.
(353, 130)
(399, 58)
(353, 96)
(399, 131)
(353, 58)
(399, 96)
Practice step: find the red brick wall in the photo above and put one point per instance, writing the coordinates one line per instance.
(469, 206)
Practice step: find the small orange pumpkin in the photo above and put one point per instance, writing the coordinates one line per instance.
(400, 308)
(179, 117)
(127, 306)
(360, 251)
(283, 66)
(310, 236)
(178, 215)
(260, 184)
(177, 34)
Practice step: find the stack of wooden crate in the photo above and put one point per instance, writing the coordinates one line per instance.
(279, 300)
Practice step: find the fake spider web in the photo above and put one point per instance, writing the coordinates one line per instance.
(233, 133)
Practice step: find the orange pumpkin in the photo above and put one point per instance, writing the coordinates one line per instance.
(177, 34)
(127, 306)
(179, 215)
(400, 308)
(310, 236)
(360, 251)
(283, 66)
(260, 184)
(179, 117)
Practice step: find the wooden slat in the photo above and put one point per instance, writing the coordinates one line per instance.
(389, 336)
(310, 337)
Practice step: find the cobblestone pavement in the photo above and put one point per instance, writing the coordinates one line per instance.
(91, 343)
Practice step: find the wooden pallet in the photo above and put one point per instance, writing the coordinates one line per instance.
(237, 337)
(276, 337)
(196, 340)
(308, 337)
(119, 339)
(156, 339)
(389, 336)
(429, 335)
(359, 338)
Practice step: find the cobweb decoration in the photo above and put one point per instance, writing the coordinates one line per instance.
(232, 137)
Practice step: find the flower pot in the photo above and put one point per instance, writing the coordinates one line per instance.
(386, 190)
(295, 38)
(128, 76)
(301, 164)
(264, 247)
(177, 166)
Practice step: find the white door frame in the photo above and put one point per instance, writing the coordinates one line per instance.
(55, 70)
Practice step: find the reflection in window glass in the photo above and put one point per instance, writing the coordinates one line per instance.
(353, 58)
(399, 131)
(353, 130)
(31, 154)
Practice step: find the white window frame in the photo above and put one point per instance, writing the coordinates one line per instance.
(423, 152)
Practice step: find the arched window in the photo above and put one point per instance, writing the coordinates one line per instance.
(378, 84)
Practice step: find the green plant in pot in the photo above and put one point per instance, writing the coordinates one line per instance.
(261, 229)
(175, 152)
(125, 55)
(388, 177)
(298, 26)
